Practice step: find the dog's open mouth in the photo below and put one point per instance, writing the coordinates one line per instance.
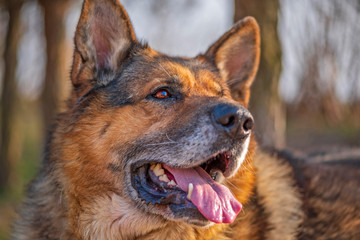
(194, 189)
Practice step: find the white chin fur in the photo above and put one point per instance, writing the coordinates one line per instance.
(241, 159)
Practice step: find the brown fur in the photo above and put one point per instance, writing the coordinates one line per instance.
(83, 190)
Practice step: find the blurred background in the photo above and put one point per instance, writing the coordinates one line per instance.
(306, 94)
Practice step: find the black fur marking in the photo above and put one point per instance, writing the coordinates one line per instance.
(104, 129)
(113, 167)
(117, 93)
(261, 215)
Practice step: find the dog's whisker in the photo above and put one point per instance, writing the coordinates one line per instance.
(249, 169)
(164, 69)
(234, 186)
(234, 80)
(169, 138)
(159, 144)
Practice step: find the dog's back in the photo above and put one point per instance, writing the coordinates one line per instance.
(329, 184)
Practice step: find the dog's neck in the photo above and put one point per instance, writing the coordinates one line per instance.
(278, 195)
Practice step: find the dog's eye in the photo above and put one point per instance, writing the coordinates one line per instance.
(161, 94)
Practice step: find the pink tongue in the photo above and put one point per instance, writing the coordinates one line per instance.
(214, 200)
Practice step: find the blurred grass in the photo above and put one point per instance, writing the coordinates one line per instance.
(30, 145)
(309, 131)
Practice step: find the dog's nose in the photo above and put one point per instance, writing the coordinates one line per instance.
(234, 120)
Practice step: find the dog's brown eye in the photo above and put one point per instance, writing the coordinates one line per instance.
(161, 94)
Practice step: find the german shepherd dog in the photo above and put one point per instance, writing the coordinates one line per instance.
(159, 147)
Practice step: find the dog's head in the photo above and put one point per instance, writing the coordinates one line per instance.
(167, 135)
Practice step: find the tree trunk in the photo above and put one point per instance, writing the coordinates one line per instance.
(265, 103)
(54, 11)
(8, 96)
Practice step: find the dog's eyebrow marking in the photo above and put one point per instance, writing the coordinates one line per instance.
(174, 81)
(209, 81)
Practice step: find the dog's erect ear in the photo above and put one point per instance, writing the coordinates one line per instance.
(103, 38)
(236, 55)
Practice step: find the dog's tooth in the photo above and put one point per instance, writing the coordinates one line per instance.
(172, 183)
(191, 188)
(159, 172)
(159, 166)
(164, 178)
(156, 166)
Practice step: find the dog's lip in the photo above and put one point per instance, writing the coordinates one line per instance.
(192, 164)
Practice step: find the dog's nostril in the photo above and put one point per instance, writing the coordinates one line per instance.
(227, 121)
(225, 117)
(248, 124)
(231, 121)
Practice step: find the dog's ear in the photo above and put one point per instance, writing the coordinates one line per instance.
(236, 55)
(103, 39)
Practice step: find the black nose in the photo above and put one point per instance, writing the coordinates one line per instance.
(234, 120)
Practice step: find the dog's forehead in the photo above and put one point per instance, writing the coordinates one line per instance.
(195, 75)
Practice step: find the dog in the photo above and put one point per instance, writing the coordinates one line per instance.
(159, 147)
